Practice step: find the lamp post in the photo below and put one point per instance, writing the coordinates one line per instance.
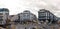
(8, 23)
(37, 23)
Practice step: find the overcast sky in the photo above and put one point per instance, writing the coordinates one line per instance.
(18, 6)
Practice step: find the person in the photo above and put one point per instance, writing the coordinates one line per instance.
(33, 28)
(25, 27)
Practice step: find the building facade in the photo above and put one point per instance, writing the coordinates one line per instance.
(46, 15)
(4, 13)
(26, 16)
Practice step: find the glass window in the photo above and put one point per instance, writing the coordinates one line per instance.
(26, 16)
(1, 17)
(0, 22)
(42, 16)
(7, 13)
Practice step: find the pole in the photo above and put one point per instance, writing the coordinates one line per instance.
(13, 26)
(7, 24)
(37, 24)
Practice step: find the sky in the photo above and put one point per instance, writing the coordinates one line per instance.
(18, 6)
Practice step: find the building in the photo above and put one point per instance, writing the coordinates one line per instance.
(13, 17)
(26, 16)
(4, 13)
(58, 21)
(44, 15)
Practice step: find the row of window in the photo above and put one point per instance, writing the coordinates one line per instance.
(5, 13)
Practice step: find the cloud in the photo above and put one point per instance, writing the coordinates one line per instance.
(18, 6)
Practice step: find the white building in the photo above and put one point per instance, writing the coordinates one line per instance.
(27, 15)
(4, 12)
(44, 15)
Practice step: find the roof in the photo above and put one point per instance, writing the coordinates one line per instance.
(26, 11)
(43, 10)
(4, 9)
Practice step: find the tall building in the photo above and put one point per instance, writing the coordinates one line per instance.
(46, 15)
(4, 13)
(26, 15)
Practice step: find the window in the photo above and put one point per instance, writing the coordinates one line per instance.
(42, 16)
(0, 22)
(26, 16)
(1, 17)
(7, 13)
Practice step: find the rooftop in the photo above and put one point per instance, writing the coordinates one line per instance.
(4, 9)
(43, 10)
(26, 11)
